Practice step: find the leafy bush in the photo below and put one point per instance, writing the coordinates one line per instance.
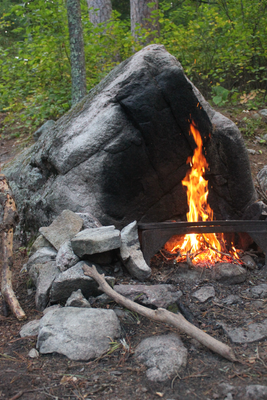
(222, 47)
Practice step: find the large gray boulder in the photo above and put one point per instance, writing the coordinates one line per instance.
(121, 153)
(78, 333)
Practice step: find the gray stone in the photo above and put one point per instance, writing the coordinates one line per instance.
(229, 274)
(78, 333)
(232, 299)
(64, 227)
(30, 329)
(120, 154)
(249, 262)
(252, 151)
(205, 293)
(66, 258)
(33, 353)
(263, 112)
(73, 279)
(39, 243)
(154, 295)
(253, 332)
(131, 253)
(257, 292)
(89, 221)
(250, 392)
(96, 240)
(44, 274)
(77, 299)
(262, 178)
(44, 129)
(163, 355)
(41, 256)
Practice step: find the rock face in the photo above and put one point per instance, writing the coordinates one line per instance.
(120, 154)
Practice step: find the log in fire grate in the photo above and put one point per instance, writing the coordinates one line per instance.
(153, 236)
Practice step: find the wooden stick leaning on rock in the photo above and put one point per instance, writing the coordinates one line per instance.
(7, 225)
(162, 315)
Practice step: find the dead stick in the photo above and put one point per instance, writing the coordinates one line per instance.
(10, 218)
(162, 315)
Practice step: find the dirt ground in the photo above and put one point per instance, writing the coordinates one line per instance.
(118, 375)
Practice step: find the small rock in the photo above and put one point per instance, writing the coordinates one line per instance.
(64, 227)
(229, 273)
(205, 293)
(78, 333)
(89, 221)
(262, 178)
(247, 334)
(30, 329)
(263, 112)
(231, 299)
(96, 240)
(131, 254)
(155, 295)
(45, 273)
(77, 299)
(33, 353)
(163, 355)
(252, 151)
(42, 255)
(73, 279)
(39, 243)
(249, 262)
(66, 258)
(257, 292)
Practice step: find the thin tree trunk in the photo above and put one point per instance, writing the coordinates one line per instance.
(78, 72)
(8, 220)
(140, 13)
(101, 11)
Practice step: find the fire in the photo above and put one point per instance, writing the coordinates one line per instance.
(203, 248)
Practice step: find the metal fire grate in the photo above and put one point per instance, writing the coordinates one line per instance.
(153, 236)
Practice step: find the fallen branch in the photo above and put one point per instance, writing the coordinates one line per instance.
(7, 226)
(162, 315)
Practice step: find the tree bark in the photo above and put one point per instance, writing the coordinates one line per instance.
(78, 71)
(141, 13)
(8, 221)
(162, 315)
(101, 11)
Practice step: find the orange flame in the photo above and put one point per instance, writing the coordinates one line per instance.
(200, 245)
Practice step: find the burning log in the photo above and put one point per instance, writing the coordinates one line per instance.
(7, 225)
(162, 315)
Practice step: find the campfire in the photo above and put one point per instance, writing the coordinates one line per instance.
(202, 249)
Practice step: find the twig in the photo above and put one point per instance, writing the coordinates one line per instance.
(162, 315)
(233, 258)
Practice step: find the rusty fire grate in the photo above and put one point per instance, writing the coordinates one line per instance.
(153, 236)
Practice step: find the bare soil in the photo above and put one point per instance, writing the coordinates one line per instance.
(118, 375)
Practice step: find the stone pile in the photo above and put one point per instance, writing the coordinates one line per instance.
(58, 255)
(77, 330)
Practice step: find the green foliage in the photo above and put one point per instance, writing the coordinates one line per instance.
(222, 47)
(220, 95)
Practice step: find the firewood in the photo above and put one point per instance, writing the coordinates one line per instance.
(7, 226)
(162, 315)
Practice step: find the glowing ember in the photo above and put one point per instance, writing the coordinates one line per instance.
(202, 248)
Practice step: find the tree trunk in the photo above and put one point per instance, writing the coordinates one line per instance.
(141, 13)
(8, 220)
(78, 74)
(101, 11)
